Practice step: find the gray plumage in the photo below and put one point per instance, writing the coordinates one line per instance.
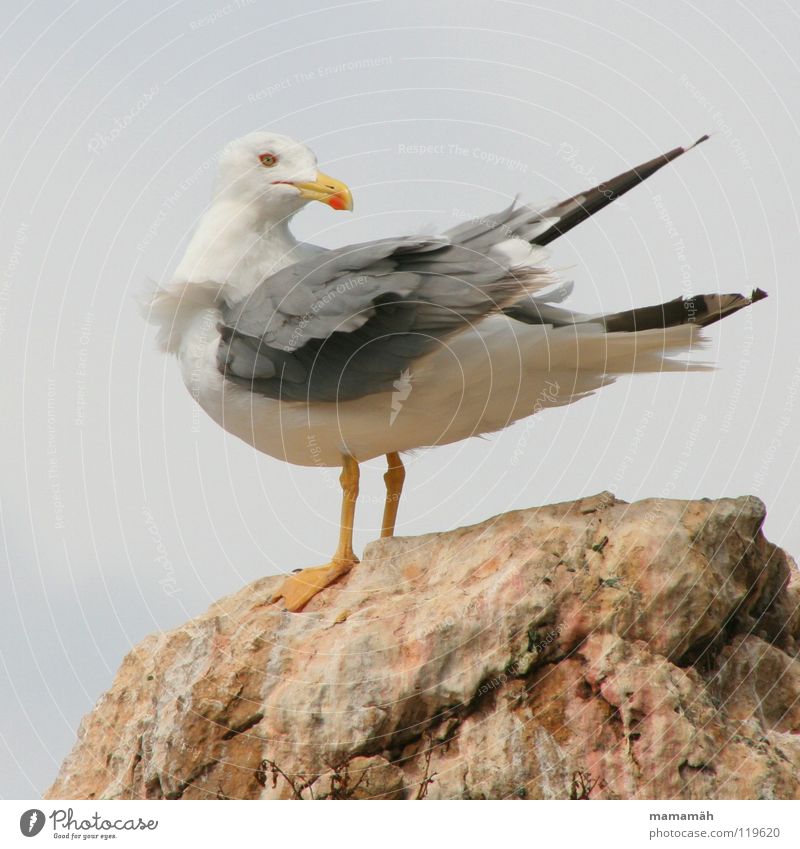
(344, 324)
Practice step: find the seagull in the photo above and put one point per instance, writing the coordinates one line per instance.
(331, 357)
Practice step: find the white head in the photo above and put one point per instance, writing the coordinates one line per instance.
(277, 174)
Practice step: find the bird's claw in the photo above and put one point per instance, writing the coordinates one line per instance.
(298, 589)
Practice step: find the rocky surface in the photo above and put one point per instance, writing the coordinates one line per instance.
(593, 649)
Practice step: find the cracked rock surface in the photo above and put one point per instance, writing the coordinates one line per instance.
(591, 649)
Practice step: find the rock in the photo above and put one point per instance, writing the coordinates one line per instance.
(592, 649)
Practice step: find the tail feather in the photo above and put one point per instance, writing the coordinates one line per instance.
(539, 227)
(701, 310)
(572, 211)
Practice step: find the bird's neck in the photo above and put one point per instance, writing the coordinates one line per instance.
(236, 246)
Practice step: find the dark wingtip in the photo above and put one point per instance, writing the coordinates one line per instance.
(702, 310)
(706, 137)
(578, 208)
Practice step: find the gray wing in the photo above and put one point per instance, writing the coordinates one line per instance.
(345, 324)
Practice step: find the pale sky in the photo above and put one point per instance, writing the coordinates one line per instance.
(126, 511)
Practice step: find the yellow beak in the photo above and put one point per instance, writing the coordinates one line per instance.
(327, 190)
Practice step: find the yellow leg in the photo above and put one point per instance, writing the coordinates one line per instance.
(297, 590)
(394, 477)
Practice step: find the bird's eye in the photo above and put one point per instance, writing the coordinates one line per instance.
(268, 159)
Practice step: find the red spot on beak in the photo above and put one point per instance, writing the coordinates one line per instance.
(336, 202)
